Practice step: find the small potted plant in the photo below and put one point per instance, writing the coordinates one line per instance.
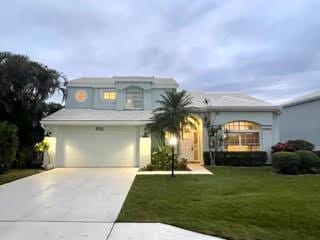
(42, 148)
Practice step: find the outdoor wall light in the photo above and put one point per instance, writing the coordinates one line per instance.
(48, 134)
(145, 134)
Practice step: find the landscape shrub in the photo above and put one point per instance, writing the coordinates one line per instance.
(247, 159)
(206, 158)
(161, 160)
(282, 147)
(161, 157)
(149, 167)
(25, 157)
(317, 152)
(301, 145)
(286, 162)
(8, 145)
(310, 162)
(182, 164)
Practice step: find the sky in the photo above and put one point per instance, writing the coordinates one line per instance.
(267, 49)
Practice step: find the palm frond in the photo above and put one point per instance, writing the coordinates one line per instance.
(174, 113)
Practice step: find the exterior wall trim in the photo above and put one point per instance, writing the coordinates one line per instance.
(312, 99)
(239, 109)
(112, 86)
(94, 123)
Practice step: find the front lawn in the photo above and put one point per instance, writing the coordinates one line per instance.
(234, 203)
(15, 174)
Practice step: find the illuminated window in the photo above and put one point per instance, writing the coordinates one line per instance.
(109, 95)
(134, 99)
(240, 126)
(241, 136)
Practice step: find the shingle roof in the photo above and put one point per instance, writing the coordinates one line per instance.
(223, 101)
(80, 114)
(97, 81)
(303, 99)
(228, 100)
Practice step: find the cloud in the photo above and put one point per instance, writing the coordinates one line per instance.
(268, 49)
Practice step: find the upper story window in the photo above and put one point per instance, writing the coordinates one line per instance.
(134, 99)
(109, 95)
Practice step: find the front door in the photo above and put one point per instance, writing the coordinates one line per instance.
(189, 145)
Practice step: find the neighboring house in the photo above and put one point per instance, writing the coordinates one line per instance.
(300, 119)
(104, 120)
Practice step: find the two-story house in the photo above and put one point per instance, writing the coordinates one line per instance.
(104, 119)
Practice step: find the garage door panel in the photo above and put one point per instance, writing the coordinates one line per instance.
(82, 148)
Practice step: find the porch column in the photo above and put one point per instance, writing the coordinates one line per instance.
(50, 155)
(145, 151)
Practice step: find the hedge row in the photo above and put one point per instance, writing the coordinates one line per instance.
(248, 159)
(8, 145)
(302, 161)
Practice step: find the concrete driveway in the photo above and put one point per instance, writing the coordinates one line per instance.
(64, 203)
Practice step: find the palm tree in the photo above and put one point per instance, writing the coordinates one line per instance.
(173, 114)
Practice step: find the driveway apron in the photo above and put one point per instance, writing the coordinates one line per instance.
(71, 203)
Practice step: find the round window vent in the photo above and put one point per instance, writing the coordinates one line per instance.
(81, 95)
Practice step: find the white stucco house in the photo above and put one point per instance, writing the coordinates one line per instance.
(104, 119)
(300, 119)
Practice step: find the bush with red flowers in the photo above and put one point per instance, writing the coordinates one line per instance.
(282, 147)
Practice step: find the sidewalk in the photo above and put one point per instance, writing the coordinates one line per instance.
(154, 231)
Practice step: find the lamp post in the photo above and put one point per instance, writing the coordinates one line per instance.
(172, 143)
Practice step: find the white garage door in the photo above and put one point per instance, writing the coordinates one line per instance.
(102, 147)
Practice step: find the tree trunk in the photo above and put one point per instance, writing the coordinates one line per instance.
(178, 148)
(212, 161)
(215, 150)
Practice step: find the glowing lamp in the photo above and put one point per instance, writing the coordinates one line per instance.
(173, 141)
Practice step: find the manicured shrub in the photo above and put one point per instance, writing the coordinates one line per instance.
(161, 159)
(206, 158)
(8, 144)
(282, 147)
(310, 162)
(149, 167)
(247, 159)
(301, 145)
(182, 164)
(286, 162)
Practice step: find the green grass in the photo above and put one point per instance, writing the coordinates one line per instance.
(234, 203)
(15, 174)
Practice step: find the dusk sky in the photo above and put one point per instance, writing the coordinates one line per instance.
(268, 49)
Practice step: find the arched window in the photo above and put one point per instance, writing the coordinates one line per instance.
(241, 136)
(134, 98)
